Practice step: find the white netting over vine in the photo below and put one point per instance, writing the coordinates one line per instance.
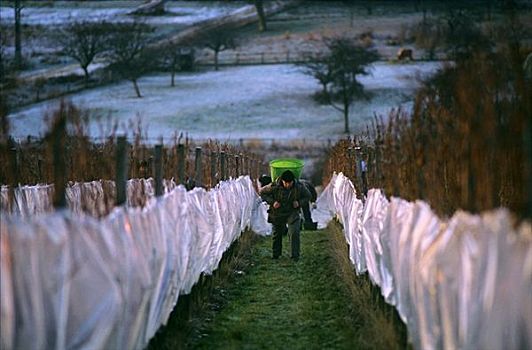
(462, 283)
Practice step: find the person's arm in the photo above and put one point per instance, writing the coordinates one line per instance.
(267, 194)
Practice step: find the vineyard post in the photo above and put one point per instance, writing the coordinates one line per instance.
(158, 170)
(181, 164)
(253, 168)
(351, 166)
(121, 170)
(14, 155)
(60, 178)
(39, 167)
(266, 167)
(222, 165)
(198, 168)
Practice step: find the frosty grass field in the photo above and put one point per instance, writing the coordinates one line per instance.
(265, 102)
(238, 102)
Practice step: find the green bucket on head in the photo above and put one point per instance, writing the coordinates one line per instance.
(279, 166)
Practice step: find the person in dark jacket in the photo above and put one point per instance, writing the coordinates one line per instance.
(264, 180)
(286, 196)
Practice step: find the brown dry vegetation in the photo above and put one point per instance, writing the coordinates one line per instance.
(467, 144)
(32, 161)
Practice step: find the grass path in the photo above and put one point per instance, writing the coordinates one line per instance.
(281, 304)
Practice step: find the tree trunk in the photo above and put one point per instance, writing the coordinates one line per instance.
(346, 118)
(215, 60)
(324, 90)
(136, 86)
(260, 13)
(18, 45)
(86, 72)
(173, 78)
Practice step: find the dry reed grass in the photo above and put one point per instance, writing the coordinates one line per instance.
(379, 324)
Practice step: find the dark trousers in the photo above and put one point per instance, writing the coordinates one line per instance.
(293, 232)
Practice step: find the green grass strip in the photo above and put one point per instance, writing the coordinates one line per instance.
(281, 304)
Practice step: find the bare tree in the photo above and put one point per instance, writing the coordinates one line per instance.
(175, 57)
(83, 41)
(259, 5)
(218, 40)
(342, 64)
(319, 67)
(8, 74)
(17, 7)
(3, 53)
(463, 34)
(128, 52)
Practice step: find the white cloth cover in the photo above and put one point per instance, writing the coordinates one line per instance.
(95, 198)
(462, 283)
(71, 281)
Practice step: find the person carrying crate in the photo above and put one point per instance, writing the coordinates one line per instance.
(285, 196)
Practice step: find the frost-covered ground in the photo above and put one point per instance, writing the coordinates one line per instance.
(63, 12)
(42, 20)
(258, 102)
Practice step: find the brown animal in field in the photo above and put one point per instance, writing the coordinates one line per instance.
(404, 54)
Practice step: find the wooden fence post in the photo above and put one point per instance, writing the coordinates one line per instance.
(159, 170)
(198, 168)
(213, 169)
(252, 173)
(237, 166)
(14, 160)
(60, 177)
(40, 168)
(223, 165)
(181, 164)
(122, 161)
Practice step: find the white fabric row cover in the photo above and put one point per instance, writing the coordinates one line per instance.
(461, 283)
(94, 198)
(70, 281)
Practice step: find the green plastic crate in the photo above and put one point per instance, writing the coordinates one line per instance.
(278, 167)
